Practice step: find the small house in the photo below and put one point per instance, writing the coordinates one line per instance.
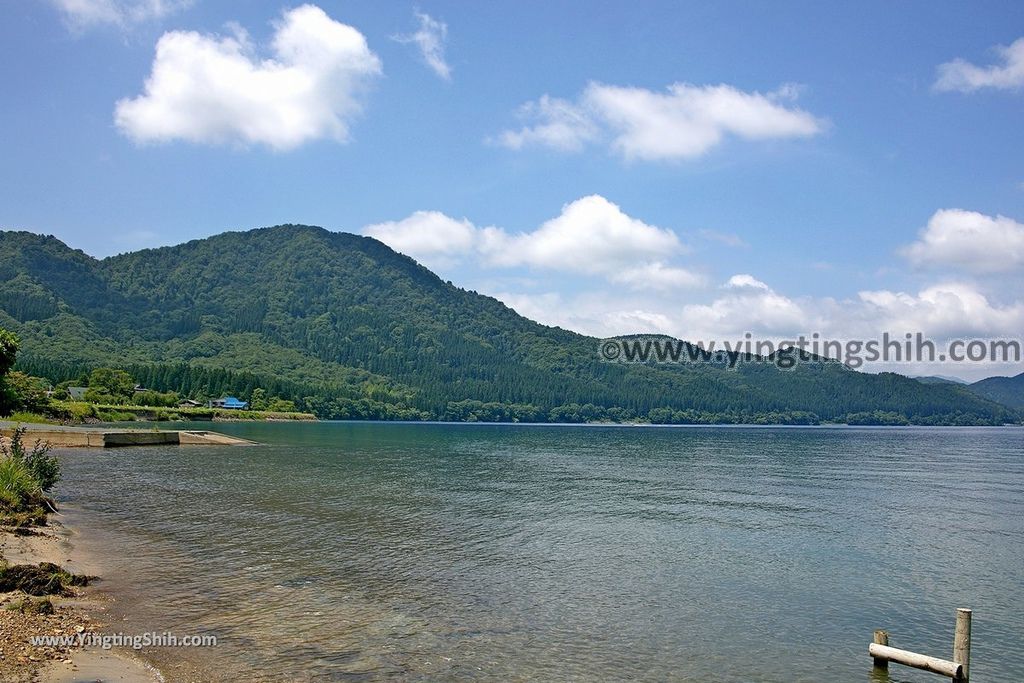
(229, 402)
(77, 393)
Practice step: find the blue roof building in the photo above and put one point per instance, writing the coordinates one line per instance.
(229, 402)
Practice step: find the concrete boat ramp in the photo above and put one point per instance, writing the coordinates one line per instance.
(60, 436)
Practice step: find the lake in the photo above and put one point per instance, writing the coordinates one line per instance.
(432, 552)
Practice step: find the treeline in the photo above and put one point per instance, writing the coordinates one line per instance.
(202, 384)
(372, 402)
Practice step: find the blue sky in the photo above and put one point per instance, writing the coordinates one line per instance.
(701, 169)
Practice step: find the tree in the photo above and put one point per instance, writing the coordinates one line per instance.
(8, 352)
(29, 392)
(258, 400)
(107, 385)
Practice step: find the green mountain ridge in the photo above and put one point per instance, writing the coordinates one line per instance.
(1006, 390)
(349, 328)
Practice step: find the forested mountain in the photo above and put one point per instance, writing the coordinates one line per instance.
(1006, 390)
(939, 379)
(347, 327)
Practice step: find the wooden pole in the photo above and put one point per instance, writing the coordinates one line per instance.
(962, 643)
(881, 638)
(934, 664)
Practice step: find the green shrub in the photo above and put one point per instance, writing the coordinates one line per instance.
(80, 412)
(107, 414)
(42, 468)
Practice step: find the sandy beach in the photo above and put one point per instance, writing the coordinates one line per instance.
(81, 613)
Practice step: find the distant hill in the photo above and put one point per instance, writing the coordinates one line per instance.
(348, 328)
(1006, 390)
(939, 379)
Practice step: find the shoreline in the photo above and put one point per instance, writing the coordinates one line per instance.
(61, 436)
(85, 611)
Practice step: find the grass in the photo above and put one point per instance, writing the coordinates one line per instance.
(29, 418)
(25, 475)
(18, 488)
(77, 412)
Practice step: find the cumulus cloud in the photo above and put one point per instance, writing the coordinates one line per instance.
(627, 282)
(80, 14)
(739, 306)
(969, 240)
(429, 236)
(430, 38)
(945, 310)
(962, 76)
(745, 305)
(683, 122)
(745, 281)
(591, 235)
(215, 90)
(940, 311)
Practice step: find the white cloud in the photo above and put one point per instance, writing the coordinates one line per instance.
(591, 236)
(944, 310)
(538, 307)
(969, 240)
(429, 236)
(430, 38)
(748, 305)
(80, 14)
(745, 281)
(683, 122)
(560, 125)
(657, 277)
(637, 286)
(963, 76)
(941, 312)
(599, 314)
(215, 90)
(689, 120)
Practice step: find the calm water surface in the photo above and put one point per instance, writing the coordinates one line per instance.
(369, 552)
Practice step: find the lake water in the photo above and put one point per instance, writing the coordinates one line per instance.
(369, 552)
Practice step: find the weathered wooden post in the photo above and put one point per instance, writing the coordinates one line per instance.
(962, 643)
(958, 669)
(881, 638)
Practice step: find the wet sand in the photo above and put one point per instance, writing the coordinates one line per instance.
(85, 612)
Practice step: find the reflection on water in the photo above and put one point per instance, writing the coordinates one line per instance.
(467, 552)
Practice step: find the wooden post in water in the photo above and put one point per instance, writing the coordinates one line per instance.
(962, 643)
(881, 638)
